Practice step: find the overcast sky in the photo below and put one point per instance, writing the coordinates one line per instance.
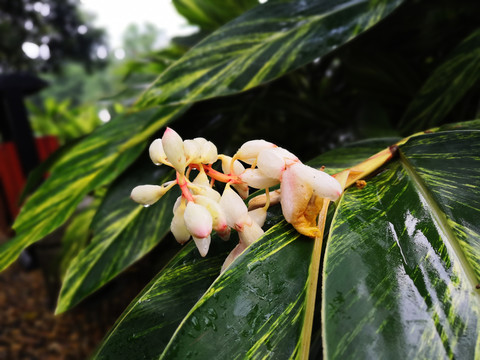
(116, 15)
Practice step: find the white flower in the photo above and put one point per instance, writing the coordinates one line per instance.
(157, 154)
(238, 218)
(302, 190)
(198, 220)
(177, 226)
(249, 151)
(257, 179)
(219, 219)
(273, 162)
(147, 194)
(173, 147)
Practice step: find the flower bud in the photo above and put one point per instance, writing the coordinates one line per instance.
(192, 151)
(147, 194)
(271, 163)
(178, 227)
(323, 185)
(173, 147)
(257, 179)
(219, 219)
(157, 154)
(258, 215)
(233, 206)
(249, 151)
(198, 220)
(238, 168)
(202, 244)
(209, 153)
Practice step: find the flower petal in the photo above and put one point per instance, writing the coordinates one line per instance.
(203, 244)
(323, 185)
(156, 152)
(178, 227)
(173, 147)
(147, 194)
(233, 206)
(258, 215)
(257, 179)
(295, 194)
(271, 163)
(198, 220)
(249, 151)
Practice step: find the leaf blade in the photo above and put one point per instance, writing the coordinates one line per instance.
(291, 33)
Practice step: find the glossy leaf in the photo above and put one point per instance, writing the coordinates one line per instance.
(401, 263)
(96, 160)
(211, 14)
(446, 86)
(124, 232)
(263, 44)
(351, 154)
(145, 328)
(254, 309)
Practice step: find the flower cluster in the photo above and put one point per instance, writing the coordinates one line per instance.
(201, 209)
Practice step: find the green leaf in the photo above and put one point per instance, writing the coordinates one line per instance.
(95, 161)
(145, 328)
(263, 44)
(445, 87)
(211, 14)
(77, 234)
(256, 304)
(401, 263)
(351, 154)
(124, 232)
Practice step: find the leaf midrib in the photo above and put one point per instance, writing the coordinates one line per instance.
(440, 219)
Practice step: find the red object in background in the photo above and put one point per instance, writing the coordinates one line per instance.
(12, 178)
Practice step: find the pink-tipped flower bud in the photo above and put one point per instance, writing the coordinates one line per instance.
(147, 194)
(173, 147)
(198, 220)
(157, 154)
(219, 219)
(257, 179)
(249, 151)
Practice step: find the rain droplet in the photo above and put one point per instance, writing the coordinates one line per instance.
(146, 205)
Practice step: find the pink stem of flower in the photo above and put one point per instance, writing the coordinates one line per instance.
(217, 175)
(182, 182)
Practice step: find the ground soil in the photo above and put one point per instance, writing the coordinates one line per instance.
(29, 330)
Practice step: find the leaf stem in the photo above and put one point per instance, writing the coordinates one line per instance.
(313, 283)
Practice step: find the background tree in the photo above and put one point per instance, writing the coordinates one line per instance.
(51, 32)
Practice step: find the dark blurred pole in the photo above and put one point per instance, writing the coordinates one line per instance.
(14, 125)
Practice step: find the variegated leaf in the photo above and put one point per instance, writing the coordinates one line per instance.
(446, 86)
(123, 232)
(96, 160)
(401, 264)
(147, 324)
(263, 44)
(211, 14)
